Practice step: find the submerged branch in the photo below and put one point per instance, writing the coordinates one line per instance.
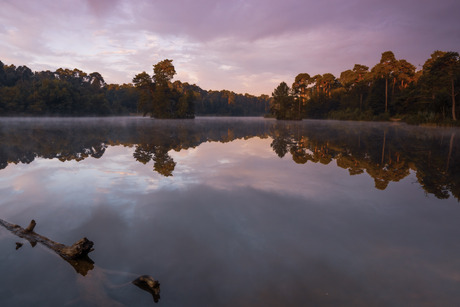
(76, 254)
(147, 283)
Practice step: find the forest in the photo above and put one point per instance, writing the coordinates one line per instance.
(392, 89)
(67, 92)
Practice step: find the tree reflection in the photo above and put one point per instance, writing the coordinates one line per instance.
(281, 141)
(386, 152)
(163, 163)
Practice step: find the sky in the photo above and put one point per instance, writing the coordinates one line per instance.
(243, 46)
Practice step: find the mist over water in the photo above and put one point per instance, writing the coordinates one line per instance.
(231, 212)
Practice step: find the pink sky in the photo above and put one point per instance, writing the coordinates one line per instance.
(244, 46)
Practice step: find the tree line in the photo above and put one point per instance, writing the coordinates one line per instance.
(62, 92)
(391, 89)
(162, 98)
(67, 92)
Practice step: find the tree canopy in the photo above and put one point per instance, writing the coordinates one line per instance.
(393, 88)
(158, 95)
(73, 92)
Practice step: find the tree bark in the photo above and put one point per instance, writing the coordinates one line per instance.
(393, 88)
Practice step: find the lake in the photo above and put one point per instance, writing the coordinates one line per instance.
(231, 212)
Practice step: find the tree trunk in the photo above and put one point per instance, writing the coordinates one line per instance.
(300, 100)
(386, 95)
(454, 117)
(393, 88)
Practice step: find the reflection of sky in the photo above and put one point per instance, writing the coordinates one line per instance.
(234, 225)
(222, 166)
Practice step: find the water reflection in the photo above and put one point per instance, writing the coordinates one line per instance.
(76, 255)
(232, 224)
(386, 152)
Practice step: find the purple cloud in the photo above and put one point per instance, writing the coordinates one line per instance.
(244, 46)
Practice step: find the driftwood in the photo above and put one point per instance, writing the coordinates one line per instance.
(76, 254)
(147, 283)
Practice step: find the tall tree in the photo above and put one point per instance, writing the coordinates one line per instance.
(404, 73)
(143, 83)
(299, 88)
(347, 79)
(2, 74)
(283, 103)
(446, 69)
(384, 70)
(163, 72)
(355, 81)
(361, 80)
(328, 81)
(429, 89)
(160, 97)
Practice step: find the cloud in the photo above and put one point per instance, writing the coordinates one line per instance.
(102, 7)
(264, 42)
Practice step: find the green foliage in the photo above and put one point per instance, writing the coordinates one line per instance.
(227, 103)
(284, 105)
(422, 117)
(76, 93)
(122, 98)
(392, 88)
(161, 98)
(163, 72)
(351, 114)
(63, 92)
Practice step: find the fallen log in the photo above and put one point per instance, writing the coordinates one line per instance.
(76, 254)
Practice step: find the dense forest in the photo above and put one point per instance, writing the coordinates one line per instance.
(67, 92)
(391, 89)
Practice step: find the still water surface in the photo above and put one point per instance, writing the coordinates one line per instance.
(231, 212)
